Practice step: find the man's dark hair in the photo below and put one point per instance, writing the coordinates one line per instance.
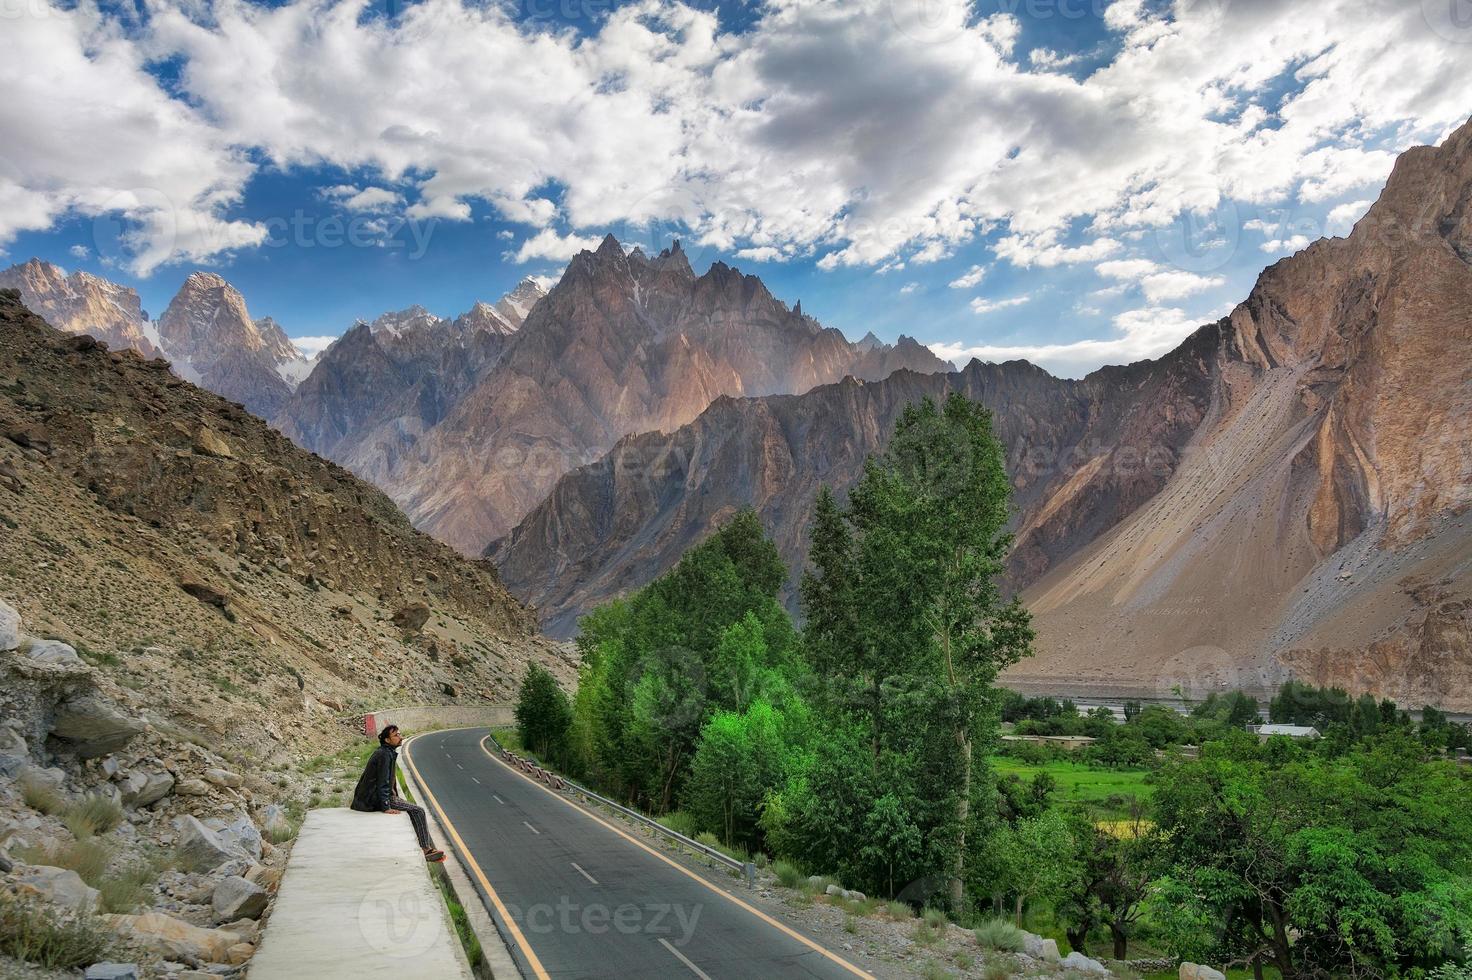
(387, 731)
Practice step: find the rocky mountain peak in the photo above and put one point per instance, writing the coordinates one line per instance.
(83, 303)
(515, 305)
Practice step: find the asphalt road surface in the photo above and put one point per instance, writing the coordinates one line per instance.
(585, 901)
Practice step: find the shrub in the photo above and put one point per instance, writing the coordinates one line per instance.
(681, 823)
(788, 874)
(925, 934)
(87, 857)
(48, 937)
(41, 796)
(91, 816)
(1000, 934)
(935, 918)
(126, 890)
(899, 911)
(934, 971)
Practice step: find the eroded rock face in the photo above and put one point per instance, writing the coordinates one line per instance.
(1082, 455)
(203, 849)
(94, 726)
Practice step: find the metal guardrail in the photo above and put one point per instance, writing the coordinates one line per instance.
(746, 869)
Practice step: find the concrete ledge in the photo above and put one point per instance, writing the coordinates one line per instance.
(426, 717)
(356, 901)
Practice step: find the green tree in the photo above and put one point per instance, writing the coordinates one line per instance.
(929, 624)
(543, 714)
(1036, 860)
(1359, 865)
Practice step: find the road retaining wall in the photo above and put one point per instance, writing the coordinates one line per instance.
(422, 718)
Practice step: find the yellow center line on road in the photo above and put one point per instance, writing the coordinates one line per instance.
(682, 869)
(526, 948)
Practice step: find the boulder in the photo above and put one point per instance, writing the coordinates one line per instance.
(49, 777)
(833, 890)
(208, 442)
(56, 885)
(240, 952)
(141, 789)
(1196, 971)
(238, 898)
(412, 617)
(9, 626)
(112, 971)
(1039, 948)
(207, 594)
(223, 777)
(53, 652)
(30, 437)
(202, 849)
(239, 833)
(1082, 964)
(192, 787)
(93, 726)
(175, 938)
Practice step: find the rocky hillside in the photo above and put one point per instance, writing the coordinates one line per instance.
(231, 576)
(382, 385)
(193, 614)
(1285, 492)
(624, 343)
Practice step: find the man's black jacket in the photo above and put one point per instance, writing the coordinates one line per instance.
(376, 785)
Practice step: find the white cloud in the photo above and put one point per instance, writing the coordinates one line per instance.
(89, 132)
(79, 251)
(1291, 244)
(366, 199)
(823, 129)
(1343, 217)
(1044, 250)
(1157, 282)
(548, 244)
(1140, 334)
(969, 278)
(765, 253)
(908, 288)
(980, 305)
(312, 346)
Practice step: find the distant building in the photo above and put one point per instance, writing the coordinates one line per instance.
(1067, 742)
(1265, 732)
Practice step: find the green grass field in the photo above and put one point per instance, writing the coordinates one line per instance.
(1079, 783)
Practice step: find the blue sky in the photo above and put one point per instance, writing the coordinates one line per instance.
(1075, 181)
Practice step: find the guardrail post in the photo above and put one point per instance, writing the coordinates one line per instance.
(750, 871)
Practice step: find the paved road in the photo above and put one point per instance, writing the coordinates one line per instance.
(588, 902)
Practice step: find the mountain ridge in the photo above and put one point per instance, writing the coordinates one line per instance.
(1286, 496)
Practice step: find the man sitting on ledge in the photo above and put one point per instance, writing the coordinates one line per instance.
(375, 790)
